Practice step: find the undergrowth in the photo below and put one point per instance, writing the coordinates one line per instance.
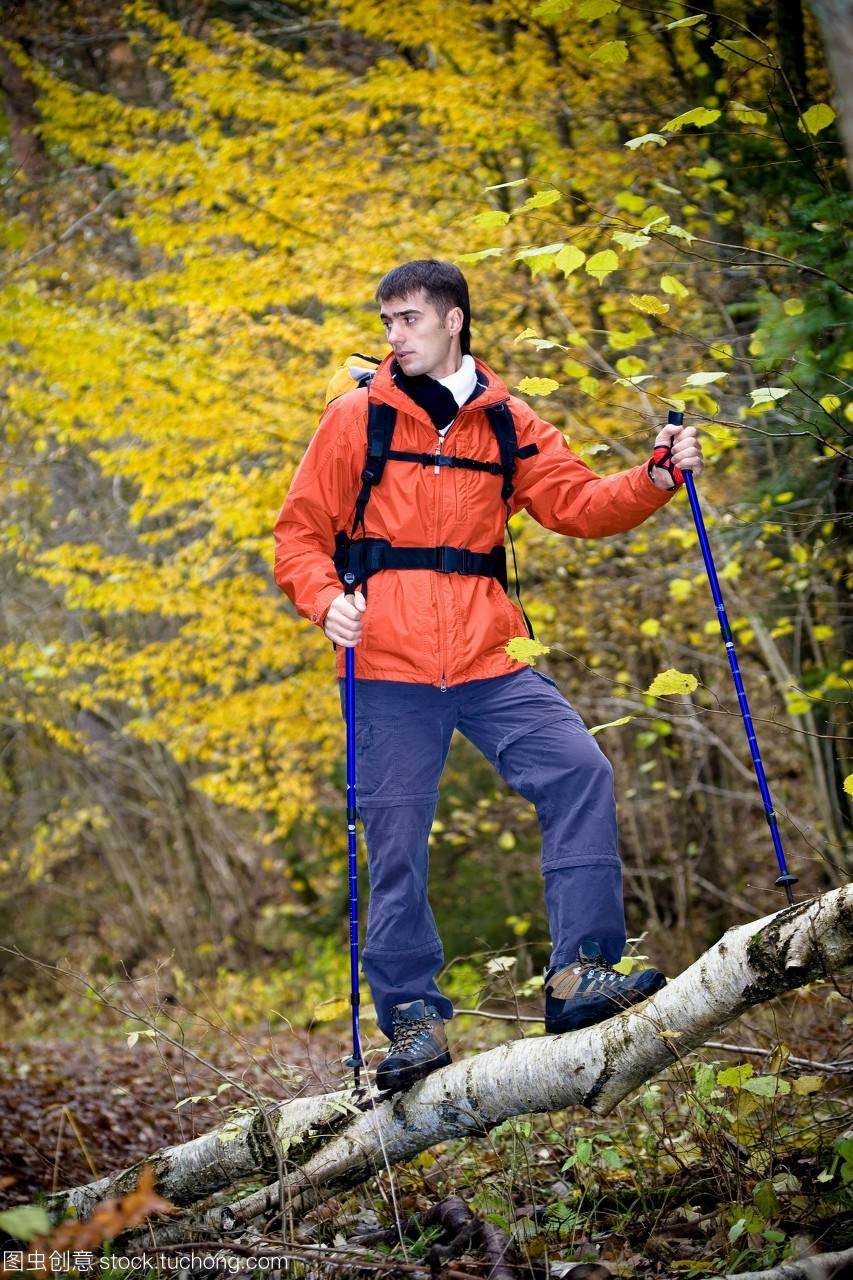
(734, 1159)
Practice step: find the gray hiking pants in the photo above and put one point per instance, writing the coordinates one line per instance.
(540, 746)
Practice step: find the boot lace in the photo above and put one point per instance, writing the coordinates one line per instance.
(408, 1032)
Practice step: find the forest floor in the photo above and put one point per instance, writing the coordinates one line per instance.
(72, 1111)
(695, 1173)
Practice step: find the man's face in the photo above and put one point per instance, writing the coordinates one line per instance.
(419, 338)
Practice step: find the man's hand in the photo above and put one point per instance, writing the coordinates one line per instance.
(344, 620)
(685, 453)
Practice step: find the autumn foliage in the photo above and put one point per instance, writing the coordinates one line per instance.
(650, 205)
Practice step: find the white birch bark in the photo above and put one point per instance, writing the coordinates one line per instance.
(596, 1068)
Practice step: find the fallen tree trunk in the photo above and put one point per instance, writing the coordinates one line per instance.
(317, 1147)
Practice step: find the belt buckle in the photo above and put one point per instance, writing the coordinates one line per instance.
(439, 560)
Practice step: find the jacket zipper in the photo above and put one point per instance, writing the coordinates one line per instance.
(439, 584)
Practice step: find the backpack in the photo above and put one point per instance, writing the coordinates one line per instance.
(357, 559)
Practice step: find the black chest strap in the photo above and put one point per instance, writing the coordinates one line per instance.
(365, 556)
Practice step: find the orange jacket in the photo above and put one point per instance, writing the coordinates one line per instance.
(421, 626)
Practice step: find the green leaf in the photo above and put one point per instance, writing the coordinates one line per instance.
(685, 22)
(612, 54)
(611, 1158)
(601, 265)
(583, 1151)
(767, 1086)
(818, 117)
(25, 1222)
(672, 682)
(537, 386)
(734, 1077)
(766, 1201)
(737, 1230)
(699, 116)
(644, 140)
(569, 259)
(706, 1080)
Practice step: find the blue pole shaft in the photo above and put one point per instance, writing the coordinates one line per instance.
(785, 879)
(356, 1061)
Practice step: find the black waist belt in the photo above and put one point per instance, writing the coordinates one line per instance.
(366, 556)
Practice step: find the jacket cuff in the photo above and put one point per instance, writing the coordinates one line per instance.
(320, 607)
(663, 495)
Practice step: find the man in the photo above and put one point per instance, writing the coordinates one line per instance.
(430, 623)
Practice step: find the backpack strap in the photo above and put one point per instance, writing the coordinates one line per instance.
(502, 424)
(380, 429)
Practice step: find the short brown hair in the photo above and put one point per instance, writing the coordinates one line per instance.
(444, 285)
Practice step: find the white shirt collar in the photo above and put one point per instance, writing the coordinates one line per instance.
(461, 384)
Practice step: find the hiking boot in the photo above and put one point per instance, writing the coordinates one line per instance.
(590, 990)
(419, 1046)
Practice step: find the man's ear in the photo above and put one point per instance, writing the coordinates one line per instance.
(455, 320)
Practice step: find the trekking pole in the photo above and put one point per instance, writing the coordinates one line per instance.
(785, 879)
(356, 1061)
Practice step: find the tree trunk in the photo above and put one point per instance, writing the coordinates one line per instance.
(316, 1147)
(836, 25)
(19, 99)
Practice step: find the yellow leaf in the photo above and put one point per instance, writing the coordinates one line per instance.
(700, 116)
(830, 403)
(540, 199)
(611, 724)
(525, 650)
(650, 627)
(818, 117)
(331, 1009)
(651, 305)
(672, 285)
(630, 366)
(848, 784)
(808, 1084)
(672, 681)
(589, 386)
(569, 259)
(491, 218)
(680, 589)
(793, 307)
(602, 264)
(644, 140)
(747, 115)
(537, 386)
(612, 54)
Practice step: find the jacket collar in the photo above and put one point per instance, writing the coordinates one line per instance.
(384, 390)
